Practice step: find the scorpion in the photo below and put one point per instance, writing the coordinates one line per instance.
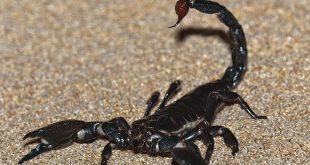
(172, 129)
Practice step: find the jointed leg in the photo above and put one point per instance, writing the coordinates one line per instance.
(232, 97)
(229, 138)
(227, 97)
(106, 154)
(203, 134)
(151, 103)
(183, 151)
(187, 153)
(174, 86)
(206, 135)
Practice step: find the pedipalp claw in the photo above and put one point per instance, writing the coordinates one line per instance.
(52, 136)
(181, 9)
(57, 132)
(34, 152)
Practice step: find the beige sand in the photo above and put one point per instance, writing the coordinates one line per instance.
(95, 60)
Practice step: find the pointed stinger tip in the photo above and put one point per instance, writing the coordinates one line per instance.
(175, 25)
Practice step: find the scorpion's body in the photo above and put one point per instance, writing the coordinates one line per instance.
(172, 129)
(185, 113)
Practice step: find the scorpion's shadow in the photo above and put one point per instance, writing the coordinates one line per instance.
(184, 33)
(223, 35)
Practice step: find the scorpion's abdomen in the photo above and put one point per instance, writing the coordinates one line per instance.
(185, 113)
(177, 116)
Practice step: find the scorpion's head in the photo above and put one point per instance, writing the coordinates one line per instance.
(142, 137)
(139, 134)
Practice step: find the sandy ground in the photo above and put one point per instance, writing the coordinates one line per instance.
(95, 60)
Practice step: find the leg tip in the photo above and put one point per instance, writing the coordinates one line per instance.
(234, 152)
(104, 162)
(262, 117)
(235, 149)
(20, 162)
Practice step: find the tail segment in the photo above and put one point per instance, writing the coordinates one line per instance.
(233, 74)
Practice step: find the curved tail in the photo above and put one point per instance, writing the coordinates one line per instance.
(233, 74)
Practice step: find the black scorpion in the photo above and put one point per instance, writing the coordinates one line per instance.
(172, 129)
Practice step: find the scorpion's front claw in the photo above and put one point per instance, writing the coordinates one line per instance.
(52, 136)
(57, 133)
(34, 152)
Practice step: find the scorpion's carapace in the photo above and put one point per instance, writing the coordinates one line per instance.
(173, 128)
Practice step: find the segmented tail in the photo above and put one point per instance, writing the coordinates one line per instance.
(233, 74)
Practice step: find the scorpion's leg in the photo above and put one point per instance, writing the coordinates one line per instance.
(151, 102)
(186, 153)
(229, 138)
(174, 86)
(232, 97)
(201, 133)
(214, 100)
(117, 132)
(206, 133)
(183, 151)
(106, 153)
(155, 96)
(182, 148)
(63, 133)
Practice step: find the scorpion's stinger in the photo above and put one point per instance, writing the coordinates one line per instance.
(181, 9)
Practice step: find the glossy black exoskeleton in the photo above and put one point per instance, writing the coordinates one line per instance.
(172, 129)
